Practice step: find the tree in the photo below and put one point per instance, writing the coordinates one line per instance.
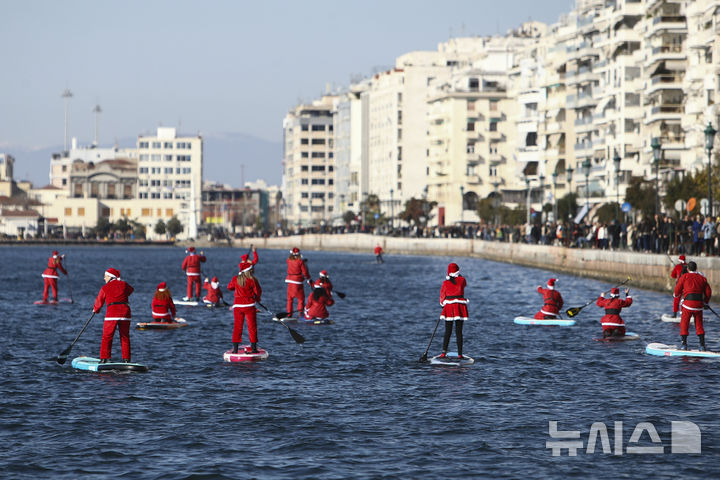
(371, 208)
(123, 226)
(160, 227)
(567, 207)
(138, 229)
(606, 213)
(102, 228)
(174, 226)
(417, 211)
(348, 217)
(641, 195)
(685, 188)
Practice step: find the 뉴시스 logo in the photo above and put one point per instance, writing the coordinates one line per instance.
(685, 437)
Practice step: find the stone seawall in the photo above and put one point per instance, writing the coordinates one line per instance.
(647, 270)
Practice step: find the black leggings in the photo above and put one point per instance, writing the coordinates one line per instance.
(458, 335)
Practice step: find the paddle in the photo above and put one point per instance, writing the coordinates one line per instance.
(295, 335)
(340, 294)
(571, 312)
(423, 359)
(70, 289)
(62, 358)
(710, 308)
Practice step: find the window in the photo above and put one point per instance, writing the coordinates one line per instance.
(304, 127)
(183, 158)
(330, 182)
(168, 212)
(143, 144)
(318, 128)
(143, 195)
(304, 181)
(146, 212)
(167, 145)
(143, 169)
(318, 195)
(303, 168)
(144, 157)
(317, 208)
(318, 141)
(330, 168)
(473, 84)
(159, 212)
(493, 127)
(470, 126)
(155, 170)
(493, 105)
(155, 196)
(167, 195)
(68, 211)
(155, 157)
(531, 139)
(304, 154)
(330, 155)
(303, 141)
(303, 195)
(318, 154)
(154, 183)
(303, 208)
(168, 158)
(186, 170)
(318, 181)
(318, 168)
(168, 170)
(155, 144)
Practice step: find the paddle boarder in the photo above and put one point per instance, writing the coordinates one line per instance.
(454, 307)
(297, 275)
(317, 303)
(191, 266)
(324, 282)
(247, 292)
(695, 292)
(378, 254)
(214, 293)
(678, 270)
(613, 325)
(115, 293)
(163, 307)
(552, 301)
(50, 276)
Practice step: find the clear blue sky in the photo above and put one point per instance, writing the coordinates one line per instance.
(213, 66)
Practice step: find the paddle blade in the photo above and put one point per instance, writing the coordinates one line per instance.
(571, 312)
(296, 336)
(340, 294)
(423, 359)
(62, 358)
(281, 315)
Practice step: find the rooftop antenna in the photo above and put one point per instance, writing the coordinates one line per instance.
(97, 111)
(67, 95)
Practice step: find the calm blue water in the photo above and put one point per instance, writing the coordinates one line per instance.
(353, 401)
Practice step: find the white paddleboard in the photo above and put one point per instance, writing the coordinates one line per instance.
(667, 317)
(628, 336)
(559, 322)
(186, 303)
(662, 350)
(451, 359)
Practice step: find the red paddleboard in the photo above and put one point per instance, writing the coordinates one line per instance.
(244, 355)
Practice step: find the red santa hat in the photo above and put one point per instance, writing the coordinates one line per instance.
(295, 251)
(245, 266)
(323, 273)
(682, 258)
(551, 283)
(244, 257)
(55, 253)
(112, 272)
(214, 279)
(614, 292)
(162, 286)
(452, 271)
(191, 249)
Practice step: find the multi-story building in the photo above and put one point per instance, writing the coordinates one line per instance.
(61, 163)
(107, 179)
(309, 164)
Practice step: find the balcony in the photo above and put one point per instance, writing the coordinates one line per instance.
(667, 22)
(585, 100)
(665, 82)
(583, 149)
(664, 112)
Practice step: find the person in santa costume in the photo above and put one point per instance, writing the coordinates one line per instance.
(612, 324)
(247, 293)
(191, 265)
(50, 276)
(214, 295)
(115, 293)
(378, 254)
(163, 307)
(317, 303)
(695, 292)
(297, 275)
(245, 258)
(454, 307)
(679, 269)
(324, 281)
(552, 301)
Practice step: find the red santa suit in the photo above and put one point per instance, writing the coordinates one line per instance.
(191, 265)
(695, 291)
(679, 268)
(117, 315)
(297, 274)
(317, 307)
(163, 309)
(214, 293)
(612, 323)
(452, 297)
(552, 301)
(50, 275)
(244, 304)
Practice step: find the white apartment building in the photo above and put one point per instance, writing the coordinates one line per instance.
(61, 163)
(170, 167)
(308, 163)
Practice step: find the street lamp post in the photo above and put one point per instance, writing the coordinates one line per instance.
(657, 153)
(495, 184)
(586, 170)
(569, 174)
(392, 211)
(462, 204)
(542, 197)
(709, 138)
(554, 182)
(617, 160)
(527, 199)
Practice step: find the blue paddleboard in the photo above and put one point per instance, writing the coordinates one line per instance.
(558, 322)
(662, 350)
(93, 365)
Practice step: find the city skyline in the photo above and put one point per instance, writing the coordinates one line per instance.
(219, 70)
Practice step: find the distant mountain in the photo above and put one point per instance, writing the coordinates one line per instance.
(224, 153)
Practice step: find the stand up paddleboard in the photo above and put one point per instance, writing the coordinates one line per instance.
(93, 365)
(673, 319)
(187, 303)
(558, 322)
(179, 322)
(662, 350)
(51, 303)
(628, 336)
(243, 356)
(305, 321)
(451, 359)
